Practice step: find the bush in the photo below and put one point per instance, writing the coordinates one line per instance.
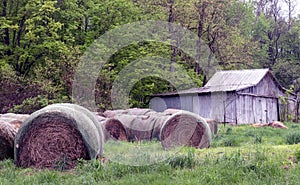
(293, 138)
(31, 105)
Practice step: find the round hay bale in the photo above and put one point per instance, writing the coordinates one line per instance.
(139, 111)
(89, 114)
(213, 125)
(112, 113)
(7, 135)
(137, 127)
(185, 128)
(56, 137)
(171, 111)
(114, 130)
(14, 119)
(133, 111)
(158, 120)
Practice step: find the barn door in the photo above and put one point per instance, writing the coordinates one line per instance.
(260, 106)
(272, 110)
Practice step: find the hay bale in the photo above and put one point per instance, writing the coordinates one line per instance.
(185, 128)
(158, 120)
(112, 113)
(113, 129)
(14, 119)
(57, 136)
(171, 111)
(139, 111)
(213, 125)
(7, 135)
(137, 127)
(89, 114)
(133, 111)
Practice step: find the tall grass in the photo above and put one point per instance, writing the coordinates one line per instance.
(239, 155)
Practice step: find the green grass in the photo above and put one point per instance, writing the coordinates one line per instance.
(238, 155)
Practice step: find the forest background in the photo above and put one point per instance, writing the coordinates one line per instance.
(42, 42)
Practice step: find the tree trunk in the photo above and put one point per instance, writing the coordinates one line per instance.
(173, 39)
(200, 33)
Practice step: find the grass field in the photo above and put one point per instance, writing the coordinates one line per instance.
(238, 155)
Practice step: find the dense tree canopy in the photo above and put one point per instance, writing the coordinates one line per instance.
(42, 41)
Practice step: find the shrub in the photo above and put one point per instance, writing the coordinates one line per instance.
(31, 105)
(293, 137)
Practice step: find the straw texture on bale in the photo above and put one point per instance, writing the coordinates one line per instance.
(113, 129)
(173, 127)
(14, 119)
(7, 135)
(213, 124)
(133, 111)
(137, 127)
(56, 136)
(185, 128)
(86, 112)
(112, 113)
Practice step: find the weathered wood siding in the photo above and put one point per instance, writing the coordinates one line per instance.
(255, 109)
(257, 104)
(231, 109)
(172, 102)
(266, 87)
(204, 104)
(223, 107)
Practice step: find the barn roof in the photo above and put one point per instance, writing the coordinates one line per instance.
(235, 79)
(231, 80)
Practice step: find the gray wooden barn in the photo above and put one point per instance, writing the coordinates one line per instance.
(237, 96)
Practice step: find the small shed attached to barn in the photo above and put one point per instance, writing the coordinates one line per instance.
(236, 96)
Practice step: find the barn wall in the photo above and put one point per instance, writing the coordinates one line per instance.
(160, 104)
(218, 106)
(204, 106)
(172, 102)
(256, 109)
(231, 111)
(184, 102)
(266, 87)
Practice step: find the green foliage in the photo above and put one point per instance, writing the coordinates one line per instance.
(31, 105)
(42, 42)
(293, 137)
